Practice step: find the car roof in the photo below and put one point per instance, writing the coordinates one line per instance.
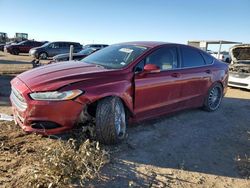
(150, 44)
(95, 44)
(65, 42)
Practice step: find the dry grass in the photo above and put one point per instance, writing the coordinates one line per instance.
(29, 160)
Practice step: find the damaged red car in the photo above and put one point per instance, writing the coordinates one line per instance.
(122, 83)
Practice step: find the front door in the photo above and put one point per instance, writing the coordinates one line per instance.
(158, 93)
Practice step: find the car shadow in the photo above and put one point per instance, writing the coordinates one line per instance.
(191, 141)
(10, 62)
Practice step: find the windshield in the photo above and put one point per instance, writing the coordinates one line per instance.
(87, 51)
(115, 56)
(23, 42)
(46, 44)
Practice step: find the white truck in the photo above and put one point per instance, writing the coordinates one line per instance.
(224, 56)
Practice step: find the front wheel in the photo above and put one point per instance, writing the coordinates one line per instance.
(213, 98)
(15, 52)
(111, 121)
(43, 55)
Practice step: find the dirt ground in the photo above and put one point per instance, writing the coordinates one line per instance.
(192, 148)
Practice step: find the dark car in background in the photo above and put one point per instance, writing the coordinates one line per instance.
(2, 47)
(22, 47)
(54, 48)
(76, 56)
(7, 44)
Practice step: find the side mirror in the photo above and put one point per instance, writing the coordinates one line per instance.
(151, 68)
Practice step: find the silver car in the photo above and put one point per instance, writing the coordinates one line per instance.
(54, 48)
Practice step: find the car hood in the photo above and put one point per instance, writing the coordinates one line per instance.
(55, 76)
(64, 55)
(240, 53)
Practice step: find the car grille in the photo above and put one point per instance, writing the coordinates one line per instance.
(238, 84)
(18, 100)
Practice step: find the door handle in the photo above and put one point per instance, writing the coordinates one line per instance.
(176, 75)
(208, 71)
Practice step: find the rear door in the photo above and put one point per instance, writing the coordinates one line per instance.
(196, 76)
(25, 47)
(64, 47)
(54, 49)
(158, 93)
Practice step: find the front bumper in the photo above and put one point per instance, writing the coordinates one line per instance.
(33, 54)
(7, 50)
(63, 115)
(240, 80)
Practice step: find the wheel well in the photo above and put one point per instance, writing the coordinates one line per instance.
(91, 108)
(218, 82)
(15, 49)
(221, 84)
(43, 52)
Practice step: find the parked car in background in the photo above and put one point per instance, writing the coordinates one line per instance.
(54, 48)
(7, 44)
(224, 56)
(76, 56)
(2, 47)
(97, 46)
(22, 47)
(128, 81)
(239, 69)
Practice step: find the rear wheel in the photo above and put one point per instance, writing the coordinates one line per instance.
(43, 55)
(214, 97)
(111, 121)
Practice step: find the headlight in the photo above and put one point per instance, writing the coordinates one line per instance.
(56, 95)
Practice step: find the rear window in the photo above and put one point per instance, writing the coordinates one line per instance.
(208, 58)
(191, 57)
(77, 45)
(65, 45)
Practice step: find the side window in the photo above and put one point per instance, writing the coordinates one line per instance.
(32, 43)
(54, 45)
(27, 43)
(208, 58)
(76, 45)
(139, 67)
(191, 57)
(63, 45)
(165, 58)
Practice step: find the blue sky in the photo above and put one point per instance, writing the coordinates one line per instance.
(112, 21)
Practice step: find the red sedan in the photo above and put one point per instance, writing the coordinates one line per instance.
(119, 84)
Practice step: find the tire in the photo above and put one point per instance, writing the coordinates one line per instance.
(15, 52)
(227, 60)
(42, 55)
(111, 121)
(213, 98)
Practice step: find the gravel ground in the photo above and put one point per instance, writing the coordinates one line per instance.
(192, 148)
